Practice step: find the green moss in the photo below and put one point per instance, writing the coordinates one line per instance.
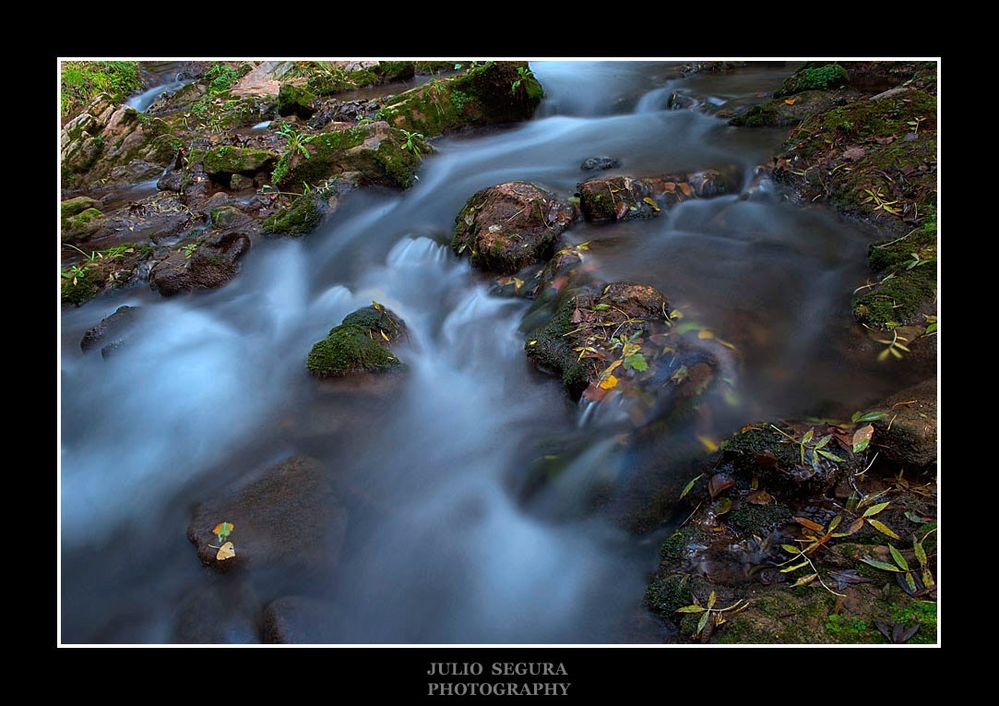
(81, 219)
(780, 616)
(295, 100)
(221, 78)
(922, 612)
(300, 218)
(75, 206)
(347, 349)
(86, 286)
(668, 592)
(849, 629)
(759, 519)
(672, 550)
(481, 96)
(376, 320)
(549, 346)
(81, 81)
(817, 78)
(228, 160)
(906, 289)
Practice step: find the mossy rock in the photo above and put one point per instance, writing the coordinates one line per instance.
(779, 113)
(674, 548)
(906, 291)
(226, 160)
(549, 347)
(296, 100)
(378, 152)
(813, 78)
(74, 206)
(80, 220)
(670, 591)
(358, 345)
(759, 520)
(300, 218)
(494, 92)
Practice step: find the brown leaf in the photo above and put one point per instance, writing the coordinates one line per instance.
(805, 522)
(719, 483)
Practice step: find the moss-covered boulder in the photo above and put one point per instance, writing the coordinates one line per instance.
(299, 218)
(379, 153)
(296, 100)
(813, 78)
(79, 204)
(576, 343)
(620, 198)
(493, 92)
(360, 344)
(509, 226)
(81, 225)
(222, 162)
(115, 267)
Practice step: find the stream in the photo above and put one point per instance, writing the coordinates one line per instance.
(443, 544)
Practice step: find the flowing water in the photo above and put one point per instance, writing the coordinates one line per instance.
(442, 545)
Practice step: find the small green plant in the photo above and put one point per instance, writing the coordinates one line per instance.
(901, 566)
(805, 444)
(709, 612)
(189, 249)
(524, 73)
(295, 141)
(220, 79)
(74, 274)
(411, 142)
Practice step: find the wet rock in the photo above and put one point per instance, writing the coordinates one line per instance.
(296, 100)
(221, 613)
(680, 101)
(774, 455)
(378, 152)
(89, 278)
(238, 182)
(336, 111)
(158, 217)
(570, 266)
(213, 263)
(905, 285)
(584, 319)
(483, 95)
(600, 164)
(908, 435)
(289, 518)
(299, 620)
(111, 332)
(781, 112)
(604, 199)
(360, 344)
(506, 227)
(304, 213)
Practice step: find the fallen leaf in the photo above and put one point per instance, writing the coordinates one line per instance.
(226, 551)
(609, 383)
(789, 101)
(853, 154)
(222, 530)
(759, 497)
(805, 522)
(862, 437)
(718, 484)
(710, 444)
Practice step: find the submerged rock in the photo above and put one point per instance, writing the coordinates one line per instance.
(599, 164)
(509, 226)
(619, 198)
(213, 263)
(289, 518)
(298, 620)
(360, 344)
(110, 332)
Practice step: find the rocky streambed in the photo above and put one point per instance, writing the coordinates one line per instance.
(497, 352)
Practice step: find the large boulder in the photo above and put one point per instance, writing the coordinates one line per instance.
(381, 154)
(290, 518)
(360, 344)
(224, 161)
(213, 262)
(509, 226)
(493, 92)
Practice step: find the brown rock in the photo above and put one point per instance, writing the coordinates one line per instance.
(908, 435)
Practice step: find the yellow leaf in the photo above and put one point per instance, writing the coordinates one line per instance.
(383, 334)
(652, 203)
(704, 333)
(226, 551)
(609, 383)
(710, 444)
(790, 101)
